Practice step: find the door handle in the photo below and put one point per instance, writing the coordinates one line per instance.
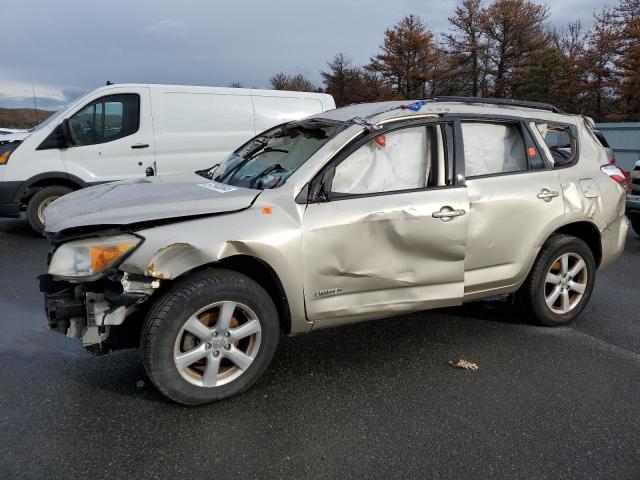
(140, 145)
(546, 194)
(446, 214)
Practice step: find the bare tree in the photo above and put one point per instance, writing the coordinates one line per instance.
(406, 60)
(603, 43)
(341, 80)
(516, 34)
(467, 46)
(292, 82)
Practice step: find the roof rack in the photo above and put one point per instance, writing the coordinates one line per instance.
(498, 101)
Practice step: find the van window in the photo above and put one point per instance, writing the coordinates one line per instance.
(106, 119)
(394, 161)
(493, 148)
(561, 142)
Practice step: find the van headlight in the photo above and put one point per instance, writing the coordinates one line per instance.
(86, 259)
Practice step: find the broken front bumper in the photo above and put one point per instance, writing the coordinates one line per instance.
(89, 311)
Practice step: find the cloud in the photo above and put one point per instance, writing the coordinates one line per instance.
(202, 42)
(167, 26)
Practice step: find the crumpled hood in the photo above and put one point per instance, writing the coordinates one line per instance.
(145, 199)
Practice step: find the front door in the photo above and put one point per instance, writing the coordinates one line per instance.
(113, 138)
(392, 236)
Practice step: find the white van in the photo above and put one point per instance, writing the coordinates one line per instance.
(125, 131)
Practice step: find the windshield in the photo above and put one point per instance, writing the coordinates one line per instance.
(269, 159)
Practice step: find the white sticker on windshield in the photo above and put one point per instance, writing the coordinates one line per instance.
(217, 187)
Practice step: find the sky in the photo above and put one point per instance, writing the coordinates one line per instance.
(63, 49)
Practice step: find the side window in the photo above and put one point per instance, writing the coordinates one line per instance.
(106, 119)
(398, 160)
(493, 148)
(560, 141)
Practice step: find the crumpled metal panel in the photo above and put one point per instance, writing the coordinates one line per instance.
(269, 230)
(377, 256)
(145, 199)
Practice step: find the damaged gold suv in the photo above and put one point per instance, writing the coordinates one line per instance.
(358, 213)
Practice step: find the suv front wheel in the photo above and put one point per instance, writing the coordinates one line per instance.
(210, 337)
(561, 281)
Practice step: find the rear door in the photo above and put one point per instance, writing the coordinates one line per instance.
(113, 137)
(515, 196)
(390, 236)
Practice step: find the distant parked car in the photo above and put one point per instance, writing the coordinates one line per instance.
(126, 131)
(8, 135)
(363, 212)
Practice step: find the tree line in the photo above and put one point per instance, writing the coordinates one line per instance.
(505, 49)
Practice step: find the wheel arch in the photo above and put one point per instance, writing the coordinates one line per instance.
(260, 272)
(587, 232)
(48, 179)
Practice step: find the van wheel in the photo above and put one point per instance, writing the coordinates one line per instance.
(41, 200)
(561, 281)
(210, 337)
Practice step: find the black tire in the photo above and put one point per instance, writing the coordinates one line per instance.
(635, 224)
(42, 196)
(532, 294)
(167, 316)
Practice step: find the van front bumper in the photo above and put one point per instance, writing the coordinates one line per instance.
(9, 205)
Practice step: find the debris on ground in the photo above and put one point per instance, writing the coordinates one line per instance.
(464, 364)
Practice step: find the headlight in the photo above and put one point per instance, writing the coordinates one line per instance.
(87, 258)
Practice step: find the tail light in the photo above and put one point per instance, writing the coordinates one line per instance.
(617, 174)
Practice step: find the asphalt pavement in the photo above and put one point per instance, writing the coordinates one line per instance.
(371, 400)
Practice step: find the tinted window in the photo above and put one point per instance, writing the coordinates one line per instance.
(399, 160)
(106, 119)
(493, 148)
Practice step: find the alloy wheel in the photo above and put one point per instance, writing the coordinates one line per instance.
(217, 344)
(565, 283)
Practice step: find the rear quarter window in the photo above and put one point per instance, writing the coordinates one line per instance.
(560, 141)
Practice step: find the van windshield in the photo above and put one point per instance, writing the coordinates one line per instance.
(269, 159)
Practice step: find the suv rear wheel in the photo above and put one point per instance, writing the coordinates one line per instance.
(210, 337)
(561, 281)
(41, 200)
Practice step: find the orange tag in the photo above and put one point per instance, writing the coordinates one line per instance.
(532, 152)
(380, 141)
(267, 211)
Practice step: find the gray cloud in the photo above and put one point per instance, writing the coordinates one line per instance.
(68, 47)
